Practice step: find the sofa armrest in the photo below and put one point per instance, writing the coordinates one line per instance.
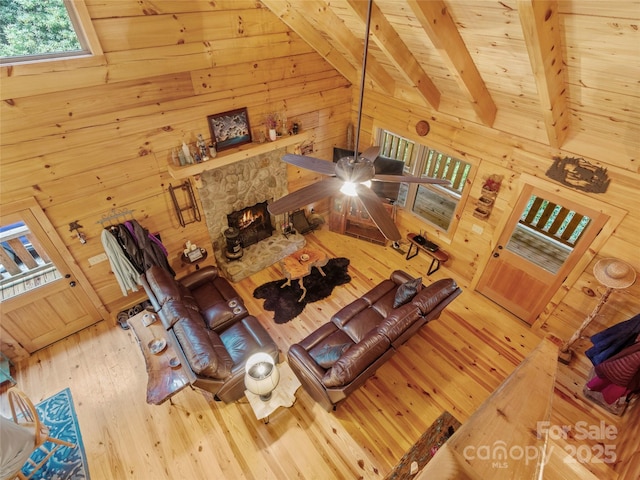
(400, 276)
(310, 375)
(150, 293)
(199, 277)
(220, 316)
(204, 350)
(346, 313)
(432, 295)
(399, 321)
(298, 355)
(356, 360)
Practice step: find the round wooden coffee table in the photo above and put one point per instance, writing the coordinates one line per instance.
(299, 264)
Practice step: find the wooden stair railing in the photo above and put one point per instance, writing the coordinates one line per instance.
(504, 426)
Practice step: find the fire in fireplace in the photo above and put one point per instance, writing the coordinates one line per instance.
(254, 223)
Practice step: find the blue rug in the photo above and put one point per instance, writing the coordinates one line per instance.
(58, 414)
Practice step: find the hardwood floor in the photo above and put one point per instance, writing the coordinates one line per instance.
(453, 364)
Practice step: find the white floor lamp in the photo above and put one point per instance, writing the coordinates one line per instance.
(613, 274)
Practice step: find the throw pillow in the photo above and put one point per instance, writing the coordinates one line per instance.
(407, 291)
(329, 354)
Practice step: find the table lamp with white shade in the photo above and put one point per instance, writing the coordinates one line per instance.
(613, 274)
(261, 375)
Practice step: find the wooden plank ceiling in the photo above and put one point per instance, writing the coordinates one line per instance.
(478, 57)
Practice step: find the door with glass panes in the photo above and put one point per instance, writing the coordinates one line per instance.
(44, 295)
(541, 243)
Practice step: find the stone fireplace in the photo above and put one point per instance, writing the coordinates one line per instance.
(253, 223)
(240, 186)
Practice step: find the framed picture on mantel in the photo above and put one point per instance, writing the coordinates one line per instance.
(230, 129)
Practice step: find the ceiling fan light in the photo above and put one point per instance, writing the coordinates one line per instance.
(349, 188)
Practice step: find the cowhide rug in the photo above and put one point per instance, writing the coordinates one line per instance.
(284, 301)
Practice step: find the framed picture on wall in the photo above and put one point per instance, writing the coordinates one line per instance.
(230, 129)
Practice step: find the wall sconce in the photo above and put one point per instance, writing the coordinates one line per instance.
(76, 226)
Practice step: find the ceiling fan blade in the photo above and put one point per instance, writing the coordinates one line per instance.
(378, 213)
(305, 196)
(410, 179)
(371, 153)
(310, 163)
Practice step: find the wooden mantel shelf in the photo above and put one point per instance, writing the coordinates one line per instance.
(238, 154)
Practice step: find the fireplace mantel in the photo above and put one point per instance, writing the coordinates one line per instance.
(238, 154)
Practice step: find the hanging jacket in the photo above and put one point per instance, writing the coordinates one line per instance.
(623, 368)
(152, 254)
(612, 340)
(130, 246)
(126, 274)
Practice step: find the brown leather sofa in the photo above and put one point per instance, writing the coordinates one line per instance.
(210, 328)
(338, 357)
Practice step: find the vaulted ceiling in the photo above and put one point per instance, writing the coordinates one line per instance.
(545, 69)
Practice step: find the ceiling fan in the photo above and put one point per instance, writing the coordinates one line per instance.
(351, 175)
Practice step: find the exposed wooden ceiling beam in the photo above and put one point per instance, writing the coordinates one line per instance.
(319, 13)
(441, 29)
(542, 35)
(392, 45)
(297, 23)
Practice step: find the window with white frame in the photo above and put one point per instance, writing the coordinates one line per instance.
(39, 30)
(436, 204)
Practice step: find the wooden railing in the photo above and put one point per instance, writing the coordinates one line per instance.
(25, 263)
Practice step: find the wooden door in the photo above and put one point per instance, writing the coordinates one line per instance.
(45, 296)
(541, 243)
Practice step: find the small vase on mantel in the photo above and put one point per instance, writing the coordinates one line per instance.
(272, 134)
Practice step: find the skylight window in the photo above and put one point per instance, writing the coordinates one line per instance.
(33, 30)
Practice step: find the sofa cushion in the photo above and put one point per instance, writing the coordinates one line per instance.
(246, 337)
(207, 295)
(346, 313)
(166, 288)
(407, 291)
(202, 347)
(399, 321)
(357, 319)
(172, 311)
(162, 284)
(379, 291)
(356, 359)
(187, 298)
(225, 362)
(327, 355)
(326, 333)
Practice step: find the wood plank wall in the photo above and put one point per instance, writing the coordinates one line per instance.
(102, 140)
(97, 138)
(496, 152)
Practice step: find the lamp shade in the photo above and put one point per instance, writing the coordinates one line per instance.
(261, 375)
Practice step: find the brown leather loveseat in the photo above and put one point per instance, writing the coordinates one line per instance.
(210, 327)
(338, 357)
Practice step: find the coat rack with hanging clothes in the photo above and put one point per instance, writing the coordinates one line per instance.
(131, 249)
(113, 217)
